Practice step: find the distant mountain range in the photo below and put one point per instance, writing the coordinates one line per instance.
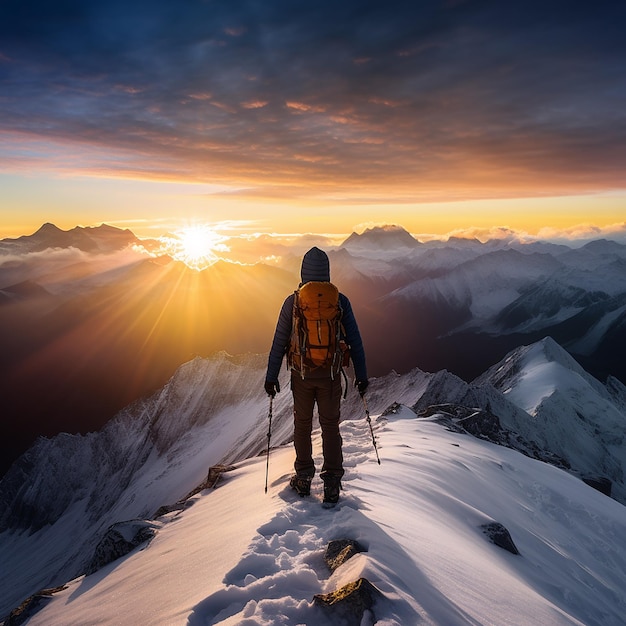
(462, 304)
(102, 238)
(89, 323)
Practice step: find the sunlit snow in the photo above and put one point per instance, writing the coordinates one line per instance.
(238, 556)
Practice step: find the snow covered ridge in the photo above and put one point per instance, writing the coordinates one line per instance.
(236, 556)
(59, 499)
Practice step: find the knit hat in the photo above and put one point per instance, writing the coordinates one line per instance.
(315, 266)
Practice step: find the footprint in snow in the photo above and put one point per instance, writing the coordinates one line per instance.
(283, 568)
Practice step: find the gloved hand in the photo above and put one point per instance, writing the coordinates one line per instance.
(272, 387)
(361, 385)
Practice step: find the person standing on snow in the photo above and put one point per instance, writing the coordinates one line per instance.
(319, 385)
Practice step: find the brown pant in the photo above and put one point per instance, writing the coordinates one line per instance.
(327, 393)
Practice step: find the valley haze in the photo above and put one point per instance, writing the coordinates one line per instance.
(94, 318)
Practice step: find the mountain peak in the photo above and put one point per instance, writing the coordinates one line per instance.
(464, 241)
(554, 352)
(537, 371)
(48, 229)
(103, 238)
(387, 236)
(103, 229)
(604, 246)
(517, 362)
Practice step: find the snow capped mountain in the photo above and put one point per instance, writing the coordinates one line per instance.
(594, 254)
(605, 247)
(434, 261)
(589, 277)
(237, 556)
(368, 272)
(571, 413)
(542, 247)
(483, 285)
(380, 239)
(59, 499)
(495, 298)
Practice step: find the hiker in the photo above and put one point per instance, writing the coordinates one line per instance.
(312, 384)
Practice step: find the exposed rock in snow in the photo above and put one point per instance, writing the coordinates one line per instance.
(339, 551)
(30, 606)
(119, 540)
(618, 392)
(500, 536)
(349, 603)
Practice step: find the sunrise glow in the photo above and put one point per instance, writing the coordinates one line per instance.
(197, 246)
(470, 121)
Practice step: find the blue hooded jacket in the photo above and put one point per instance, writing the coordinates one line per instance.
(315, 267)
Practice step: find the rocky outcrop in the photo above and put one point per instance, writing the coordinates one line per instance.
(30, 606)
(213, 477)
(339, 551)
(119, 540)
(601, 483)
(499, 536)
(485, 425)
(348, 604)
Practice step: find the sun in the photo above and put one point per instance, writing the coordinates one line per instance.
(196, 246)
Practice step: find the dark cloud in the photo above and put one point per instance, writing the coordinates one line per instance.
(479, 93)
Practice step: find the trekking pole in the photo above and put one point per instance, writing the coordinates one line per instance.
(369, 421)
(269, 436)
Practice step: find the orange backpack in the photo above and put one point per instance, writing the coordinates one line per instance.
(316, 329)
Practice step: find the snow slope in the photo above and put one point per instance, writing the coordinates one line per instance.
(59, 498)
(485, 284)
(235, 555)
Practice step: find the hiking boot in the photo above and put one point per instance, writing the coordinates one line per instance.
(332, 486)
(301, 484)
